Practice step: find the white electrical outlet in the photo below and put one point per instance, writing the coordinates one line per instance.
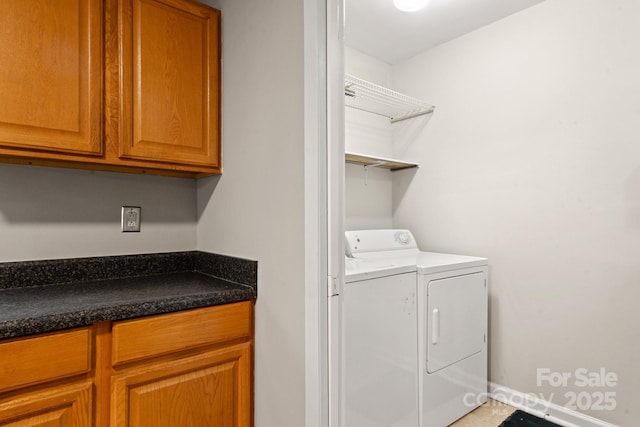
(130, 218)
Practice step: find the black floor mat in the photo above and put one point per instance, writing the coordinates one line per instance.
(522, 419)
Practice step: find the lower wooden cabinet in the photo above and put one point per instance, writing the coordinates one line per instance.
(47, 380)
(59, 406)
(192, 368)
(209, 389)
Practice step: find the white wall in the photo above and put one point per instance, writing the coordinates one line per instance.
(256, 208)
(367, 199)
(49, 213)
(367, 67)
(532, 159)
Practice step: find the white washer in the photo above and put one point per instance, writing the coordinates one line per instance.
(379, 345)
(414, 349)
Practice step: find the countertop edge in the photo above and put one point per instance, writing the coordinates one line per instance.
(69, 320)
(103, 296)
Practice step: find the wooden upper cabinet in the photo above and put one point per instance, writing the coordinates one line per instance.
(169, 94)
(51, 75)
(115, 85)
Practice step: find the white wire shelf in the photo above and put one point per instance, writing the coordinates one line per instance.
(367, 96)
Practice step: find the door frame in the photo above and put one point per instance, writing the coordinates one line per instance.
(335, 201)
(324, 207)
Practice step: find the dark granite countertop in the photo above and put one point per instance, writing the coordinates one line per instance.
(42, 296)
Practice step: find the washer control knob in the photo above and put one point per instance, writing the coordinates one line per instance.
(403, 238)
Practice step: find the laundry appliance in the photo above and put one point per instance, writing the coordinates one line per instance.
(414, 333)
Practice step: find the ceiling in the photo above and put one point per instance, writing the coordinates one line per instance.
(377, 28)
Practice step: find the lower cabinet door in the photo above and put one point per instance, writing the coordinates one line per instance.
(61, 406)
(208, 389)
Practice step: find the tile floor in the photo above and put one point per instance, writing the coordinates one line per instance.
(491, 414)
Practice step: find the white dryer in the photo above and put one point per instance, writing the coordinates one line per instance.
(452, 337)
(414, 349)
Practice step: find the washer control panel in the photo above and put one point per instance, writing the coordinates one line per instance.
(364, 243)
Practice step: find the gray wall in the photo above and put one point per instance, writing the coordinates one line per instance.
(256, 208)
(532, 159)
(48, 213)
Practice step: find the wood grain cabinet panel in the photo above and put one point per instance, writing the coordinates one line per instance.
(36, 360)
(51, 75)
(169, 82)
(210, 389)
(62, 406)
(157, 335)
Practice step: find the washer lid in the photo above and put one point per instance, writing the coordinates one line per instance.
(379, 243)
(432, 262)
(366, 269)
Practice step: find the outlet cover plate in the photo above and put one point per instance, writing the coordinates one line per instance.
(130, 219)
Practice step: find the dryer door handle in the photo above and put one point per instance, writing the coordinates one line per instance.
(435, 326)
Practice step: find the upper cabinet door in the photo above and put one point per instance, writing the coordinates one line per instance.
(51, 75)
(169, 83)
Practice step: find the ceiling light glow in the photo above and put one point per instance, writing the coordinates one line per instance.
(410, 5)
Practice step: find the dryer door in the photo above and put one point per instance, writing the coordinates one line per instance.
(456, 319)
